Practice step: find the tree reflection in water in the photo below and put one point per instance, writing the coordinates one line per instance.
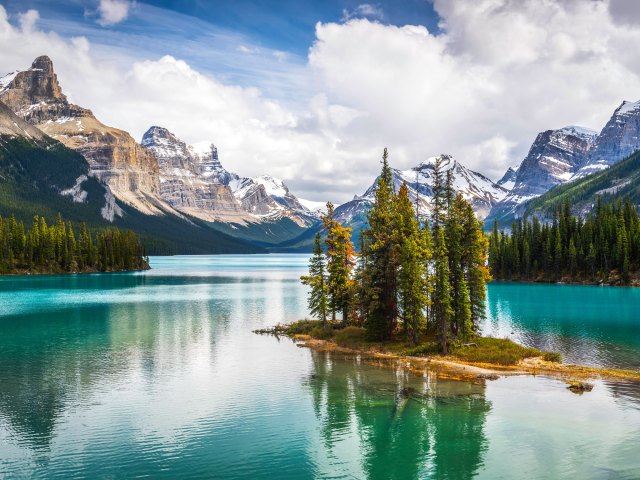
(401, 425)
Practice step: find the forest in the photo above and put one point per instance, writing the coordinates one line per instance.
(57, 248)
(410, 277)
(604, 247)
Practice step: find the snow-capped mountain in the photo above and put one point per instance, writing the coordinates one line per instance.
(619, 138)
(571, 153)
(475, 187)
(553, 159)
(193, 180)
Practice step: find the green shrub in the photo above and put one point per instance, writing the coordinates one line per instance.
(500, 351)
(552, 357)
(349, 336)
(303, 327)
(425, 349)
(322, 332)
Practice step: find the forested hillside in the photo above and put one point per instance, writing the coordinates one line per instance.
(621, 180)
(604, 247)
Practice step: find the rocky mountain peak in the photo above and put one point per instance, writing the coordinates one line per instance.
(43, 63)
(158, 134)
(478, 189)
(508, 180)
(447, 162)
(39, 84)
(619, 138)
(627, 108)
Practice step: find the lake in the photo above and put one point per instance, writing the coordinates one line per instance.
(157, 374)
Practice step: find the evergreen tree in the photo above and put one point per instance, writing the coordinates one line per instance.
(340, 263)
(317, 280)
(412, 274)
(474, 259)
(382, 259)
(605, 246)
(54, 249)
(441, 303)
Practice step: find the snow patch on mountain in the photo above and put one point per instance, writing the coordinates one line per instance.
(7, 79)
(77, 194)
(314, 206)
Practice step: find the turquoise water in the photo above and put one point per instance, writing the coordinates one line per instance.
(157, 374)
(589, 325)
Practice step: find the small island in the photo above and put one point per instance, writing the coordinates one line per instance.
(416, 290)
(55, 249)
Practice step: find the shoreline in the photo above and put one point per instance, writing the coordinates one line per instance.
(449, 367)
(633, 284)
(86, 272)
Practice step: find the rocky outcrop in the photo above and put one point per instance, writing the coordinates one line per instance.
(13, 126)
(188, 181)
(619, 138)
(554, 157)
(114, 156)
(193, 180)
(508, 180)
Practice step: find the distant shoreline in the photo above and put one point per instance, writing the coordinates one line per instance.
(84, 272)
(634, 284)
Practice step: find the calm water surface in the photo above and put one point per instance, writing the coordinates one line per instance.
(157, 374)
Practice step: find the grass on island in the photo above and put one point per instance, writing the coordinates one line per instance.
(496, 351)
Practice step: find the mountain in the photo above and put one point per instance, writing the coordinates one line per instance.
(554, 157)
(39, 174)
(618, 181)
(560, 156)
(193, 181)
(35, 168)
(475, 187)
(619, 138)
(508, 180)
(115, 158)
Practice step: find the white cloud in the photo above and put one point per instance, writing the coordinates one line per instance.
(28, 20)
(499, 72)
(247, 50)
(111, 12)
(481, 88)
(364, 10)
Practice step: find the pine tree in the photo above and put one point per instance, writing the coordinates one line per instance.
(442, 310)
(382, 261)
(316, 279)
(412, 274)
(340, 263)
(475, 248)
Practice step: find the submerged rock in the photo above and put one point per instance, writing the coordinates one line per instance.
(580, 387)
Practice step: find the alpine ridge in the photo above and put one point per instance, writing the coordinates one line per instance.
(115, 158)
(569, 154)
(193, 181)
(554, 157)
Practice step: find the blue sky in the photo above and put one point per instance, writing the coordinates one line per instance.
(244, 42)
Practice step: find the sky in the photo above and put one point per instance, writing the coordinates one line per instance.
(312, 91)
